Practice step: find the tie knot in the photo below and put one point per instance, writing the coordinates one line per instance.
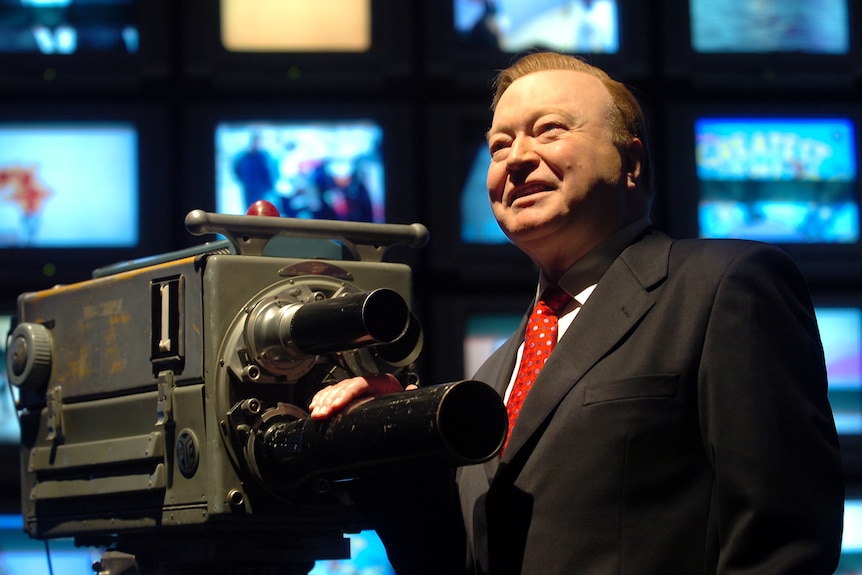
(555, 298)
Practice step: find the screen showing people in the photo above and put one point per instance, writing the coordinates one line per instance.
(330, 170)
(68, 185)
(807, 26)
(782, 180)
(572, 26)
(68, 26)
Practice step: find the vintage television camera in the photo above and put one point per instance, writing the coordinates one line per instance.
(163, 403)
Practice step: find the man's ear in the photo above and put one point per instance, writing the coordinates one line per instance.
(633, 158)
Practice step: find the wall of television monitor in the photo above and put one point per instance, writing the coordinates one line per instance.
(117, 117)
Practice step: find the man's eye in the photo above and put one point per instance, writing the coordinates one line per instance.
(549, 127)
(495, 148)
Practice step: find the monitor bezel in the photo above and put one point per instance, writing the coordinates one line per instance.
(820, 262)
(399, 150)
(771, 71)
(207, 63)
(446, 59)
(155, 215)
(86, 71)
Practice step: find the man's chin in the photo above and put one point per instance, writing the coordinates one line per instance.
(524, 235)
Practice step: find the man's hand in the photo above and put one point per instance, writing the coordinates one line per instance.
(338, 396)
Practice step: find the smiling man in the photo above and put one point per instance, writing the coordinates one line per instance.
(673, 419)
(563, 176)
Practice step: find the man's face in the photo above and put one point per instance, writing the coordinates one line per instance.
(557, 182)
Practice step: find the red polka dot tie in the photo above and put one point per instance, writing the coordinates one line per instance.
(539, 340)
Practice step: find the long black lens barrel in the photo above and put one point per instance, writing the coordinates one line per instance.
(279, 334)
(349, 321)
(451, 424)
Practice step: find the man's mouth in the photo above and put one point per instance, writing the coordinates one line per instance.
(526, 190)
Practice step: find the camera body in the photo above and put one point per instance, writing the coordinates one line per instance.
(131, 424)
(163, 403)
(149, 395)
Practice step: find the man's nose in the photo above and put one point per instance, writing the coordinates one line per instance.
(523, 153)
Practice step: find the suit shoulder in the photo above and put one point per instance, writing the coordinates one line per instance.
(727, 250)
(725, 258)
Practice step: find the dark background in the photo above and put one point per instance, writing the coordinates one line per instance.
(441, 93)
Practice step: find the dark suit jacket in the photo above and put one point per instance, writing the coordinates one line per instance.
(680, 427)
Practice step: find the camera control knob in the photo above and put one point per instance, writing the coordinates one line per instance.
(28, 355)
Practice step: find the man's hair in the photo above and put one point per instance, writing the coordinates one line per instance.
(626, 116)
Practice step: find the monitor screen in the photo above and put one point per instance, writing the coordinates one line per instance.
(774, 170)
(841, 334)
(51, 45)
(768, 44)
(806, 26)
(296, 26)
(19, 554)
(69, 26)
(484, 333)
(782, 180)
(367, 556)
(327, 169)
(334, 160)
(478, 224)
(81, 186)
(10, 432)
(572, 26)
(69, 185)
(463, 330)
(466, 241)
(850, 562)
(466, 41)
(296, 44)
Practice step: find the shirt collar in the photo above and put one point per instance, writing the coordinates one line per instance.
(589, 269)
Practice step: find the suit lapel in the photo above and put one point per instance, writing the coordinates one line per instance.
(621, 299)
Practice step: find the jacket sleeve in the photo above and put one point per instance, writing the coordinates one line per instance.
(767, 424)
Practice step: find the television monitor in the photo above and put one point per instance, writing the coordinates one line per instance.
(839, 317)
(463, 330)
(337, 160)
(291, 43)
(787, 174)
(89, 43)
(40, 205)
(317, 169)
(467, 40)
(80, 187)
(466, 242)
(478, 225)
(367, 555)
(10, 431)
(841, 334)
(769, 43)
(484, 333)
(850, 561)
(21, 554)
